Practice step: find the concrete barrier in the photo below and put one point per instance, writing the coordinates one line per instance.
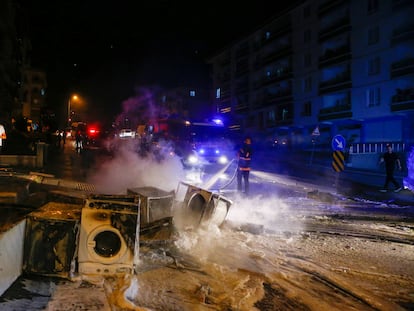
(34, 161)
(11, 255)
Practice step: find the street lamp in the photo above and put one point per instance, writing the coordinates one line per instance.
(73, 97)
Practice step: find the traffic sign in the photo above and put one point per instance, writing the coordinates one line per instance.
(338, 161)
(316, 132)
(338, 143)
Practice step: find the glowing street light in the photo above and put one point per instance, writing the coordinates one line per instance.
(74, 98)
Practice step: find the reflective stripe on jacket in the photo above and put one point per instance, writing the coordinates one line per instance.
(244, 159)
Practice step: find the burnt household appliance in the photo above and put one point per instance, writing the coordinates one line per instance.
(155, 203)
(109, 235)
(194, 206)
(155, 212)
(51, 237)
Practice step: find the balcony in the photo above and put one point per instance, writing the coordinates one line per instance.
(401, 4)
(282, 27)
(339, 26)
(242, 87)
(242, 69)
(335, 56)
(224, 107)
(335, 112)
(242, 51)
(340, 82)
(326, 7)
(240, 108)
(225, 61)
(282, 74)
(402, 67)
(282, 96)
(403, 100)
(402, 34)
(225, 94)
(279, 52)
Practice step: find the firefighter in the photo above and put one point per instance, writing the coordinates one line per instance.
(244, 155)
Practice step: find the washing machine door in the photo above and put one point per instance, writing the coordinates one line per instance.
(106, 245)
(217, 210)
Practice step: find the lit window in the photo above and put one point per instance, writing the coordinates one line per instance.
(284, 113)
(218, 93)
(192, 93)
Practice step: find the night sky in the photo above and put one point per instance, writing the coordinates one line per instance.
(104, 50)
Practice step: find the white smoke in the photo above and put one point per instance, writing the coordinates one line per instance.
(129, 169)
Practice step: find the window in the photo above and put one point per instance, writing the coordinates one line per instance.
(374, 66)
(307, 84)
(271, 118)
(307, 36)
(307, 109)
(218, 93)
(307, 59)
(373, 35)
(306, 11)
(192, 93)
(372, 6)
(373, 97)
(284, 114)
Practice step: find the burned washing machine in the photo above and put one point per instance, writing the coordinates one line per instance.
(51, 237)
(109, 235)
(156, 221)
(195, 206)
(155, 203)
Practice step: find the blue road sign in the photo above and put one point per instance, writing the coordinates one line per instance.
(338, 143)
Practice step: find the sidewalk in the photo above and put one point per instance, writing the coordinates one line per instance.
(350, 182)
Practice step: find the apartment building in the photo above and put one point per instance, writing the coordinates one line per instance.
(34, 93)
(341, 66)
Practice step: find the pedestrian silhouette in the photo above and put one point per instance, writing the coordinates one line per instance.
(390, 158)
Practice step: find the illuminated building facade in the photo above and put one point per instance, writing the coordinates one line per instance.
(344, 66)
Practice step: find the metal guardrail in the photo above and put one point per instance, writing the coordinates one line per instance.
(360, 148)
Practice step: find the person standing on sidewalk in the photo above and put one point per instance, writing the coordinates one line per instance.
(390, 158)
(243, 170)
(3, 136)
